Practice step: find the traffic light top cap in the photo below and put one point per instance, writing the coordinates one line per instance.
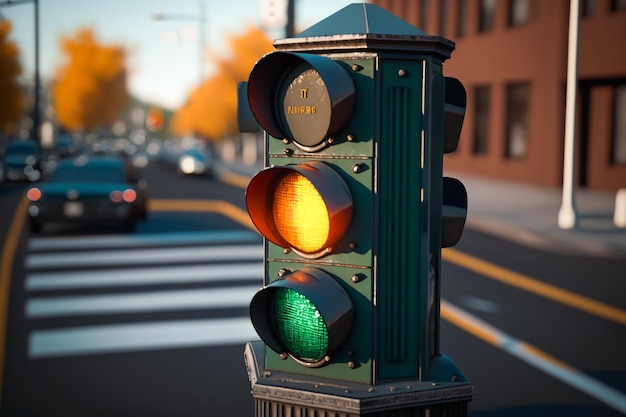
(363, 26)
(362, 18)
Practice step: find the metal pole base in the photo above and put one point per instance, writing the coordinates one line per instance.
(279, 394)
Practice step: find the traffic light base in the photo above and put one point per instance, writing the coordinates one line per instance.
(280, 394)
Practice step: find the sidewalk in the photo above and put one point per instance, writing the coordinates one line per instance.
(528, 214)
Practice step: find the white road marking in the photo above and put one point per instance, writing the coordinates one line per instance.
(102, 278)
(113, 258)
(146, 239)
(479, 304)
(45, 307)
(534, 357)
(131, 337)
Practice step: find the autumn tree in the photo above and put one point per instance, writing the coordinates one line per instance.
(12, 99)
(89, 89)
(211, 110)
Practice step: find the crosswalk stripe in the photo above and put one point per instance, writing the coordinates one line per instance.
(46, 307)
(101, 262)
(139, 336)
(148, 239)
(142, 256)
(103, 278)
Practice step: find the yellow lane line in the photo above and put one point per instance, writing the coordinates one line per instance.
(534, 356)
(491, 335)
(6, 269)
(213, 206)
(235, 179)
(534, 286)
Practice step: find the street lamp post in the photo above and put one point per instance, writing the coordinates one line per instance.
(567, 217)
(36, 104)
(200, 19)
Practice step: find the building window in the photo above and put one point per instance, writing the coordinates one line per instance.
(588, 8)
(618, 5)
(486, 15)
(481, 119)
(519, 12)
(443, 17)
(517, 96)
(461, 20)
(619, 135)
(424, 15)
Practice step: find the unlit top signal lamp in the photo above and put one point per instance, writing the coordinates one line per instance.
(307, 100)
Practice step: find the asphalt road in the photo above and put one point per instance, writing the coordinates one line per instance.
(173, 348)
(562, 322)
(536, 332)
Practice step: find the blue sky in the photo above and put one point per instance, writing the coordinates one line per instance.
(158, 72)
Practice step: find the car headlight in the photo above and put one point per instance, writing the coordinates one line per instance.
(187, 165)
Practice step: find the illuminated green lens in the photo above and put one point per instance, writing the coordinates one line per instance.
(299, 325)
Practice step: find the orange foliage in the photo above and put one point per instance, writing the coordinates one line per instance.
(12, 101)
(211, 110)
(90, 88)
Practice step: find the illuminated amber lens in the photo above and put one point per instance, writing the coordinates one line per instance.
(300, 214)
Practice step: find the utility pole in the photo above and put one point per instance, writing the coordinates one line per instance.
(567, 214)
(200, 19)
(290, 27)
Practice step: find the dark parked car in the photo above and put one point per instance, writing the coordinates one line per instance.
(23, 161)
(89, 189)
(65, 145)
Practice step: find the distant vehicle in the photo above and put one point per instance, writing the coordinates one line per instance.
(23, 161)
(89, 189)
(195, 162)
(65, 145)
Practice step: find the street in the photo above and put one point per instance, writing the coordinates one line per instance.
(537, 317)
(102, 323)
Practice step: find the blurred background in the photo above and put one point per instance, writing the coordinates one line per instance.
(162, 64)
(141, 71)
(148, 314)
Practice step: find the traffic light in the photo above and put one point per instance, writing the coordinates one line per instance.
(311, 204)
(154, 119)
(353, 206)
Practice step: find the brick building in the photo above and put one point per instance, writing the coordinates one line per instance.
(511, 55)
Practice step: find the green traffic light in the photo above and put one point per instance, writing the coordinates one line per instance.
(299, 325)
(305, 315)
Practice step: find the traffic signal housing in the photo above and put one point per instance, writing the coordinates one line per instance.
(352, 203)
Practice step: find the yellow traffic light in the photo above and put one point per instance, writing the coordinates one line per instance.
(300, 213)
(154, 119)
(304, 207)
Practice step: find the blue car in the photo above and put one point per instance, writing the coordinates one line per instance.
(23, 161)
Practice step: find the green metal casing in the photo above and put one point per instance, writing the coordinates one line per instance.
(393, 166)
